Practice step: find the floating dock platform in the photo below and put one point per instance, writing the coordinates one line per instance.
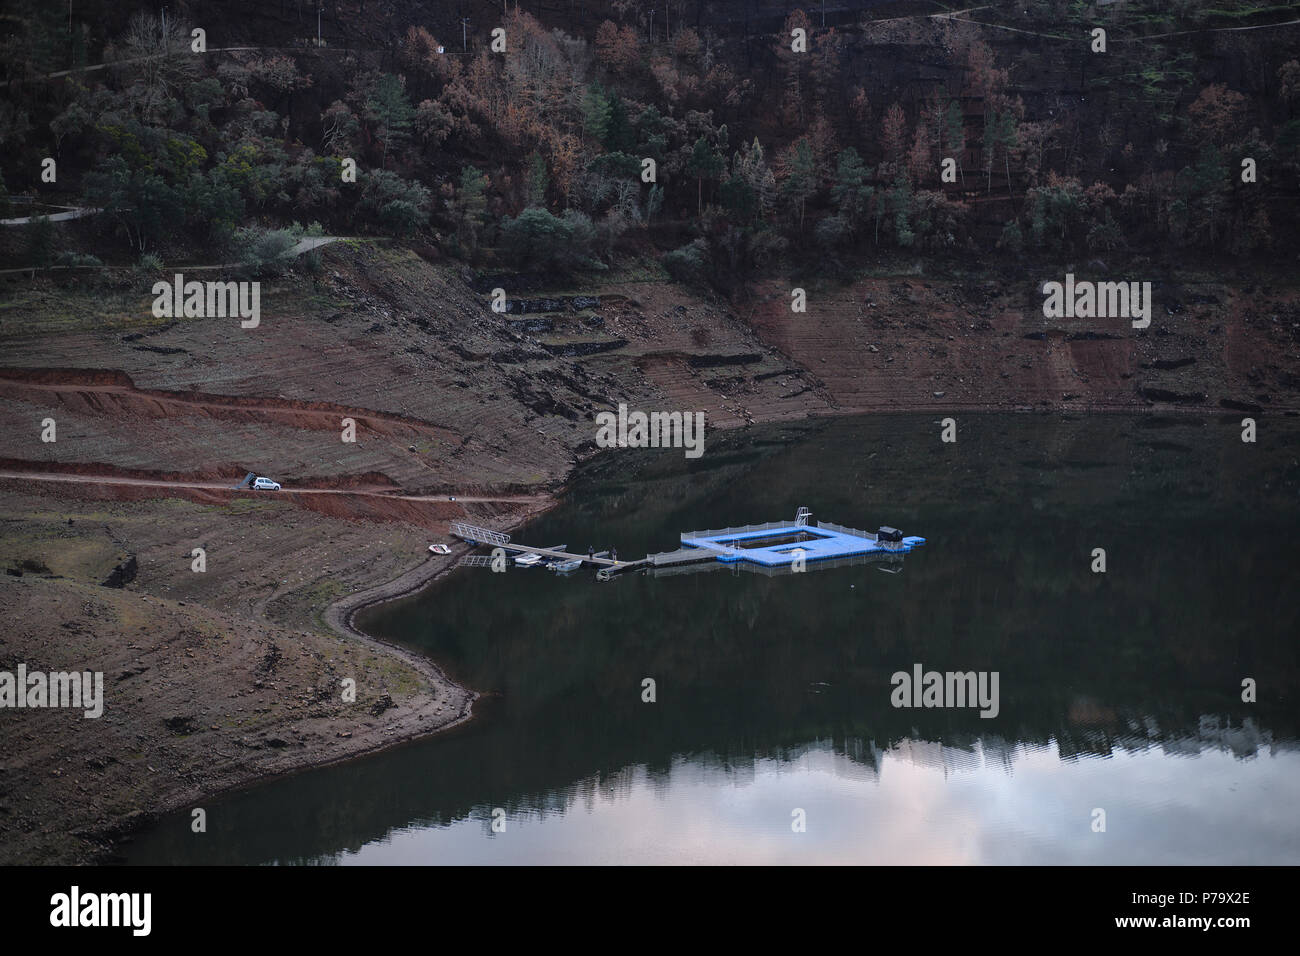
(777, 547)
(780, 543)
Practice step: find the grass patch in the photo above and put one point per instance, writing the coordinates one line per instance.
(244, 506)
(81, 556)
(304, 607)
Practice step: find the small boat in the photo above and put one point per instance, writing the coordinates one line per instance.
(572, 564)
(530, 559)
(439, 549)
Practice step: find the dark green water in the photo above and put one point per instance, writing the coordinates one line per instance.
(1118, 691)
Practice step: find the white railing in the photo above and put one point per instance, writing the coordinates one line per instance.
(771, 525)
(856, 532)
(482, 535)
(766, 526)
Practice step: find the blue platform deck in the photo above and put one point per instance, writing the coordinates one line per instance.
(778, 544)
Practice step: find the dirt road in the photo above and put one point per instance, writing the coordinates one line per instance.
(375, 492)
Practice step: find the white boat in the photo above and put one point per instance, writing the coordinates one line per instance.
(572, 564)
(439, 549)
(530, 559)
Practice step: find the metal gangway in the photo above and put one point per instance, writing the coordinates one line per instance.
(801, 517)
(478, 535)
(499, 539)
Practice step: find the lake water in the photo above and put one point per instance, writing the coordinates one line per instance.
(1118, 691)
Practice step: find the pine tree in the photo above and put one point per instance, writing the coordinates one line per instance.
(850, 192)
(705, 163)
(390, 111)
(595, 112)
(801, 182)
(538, 180)
(470, 204)
(619, 136)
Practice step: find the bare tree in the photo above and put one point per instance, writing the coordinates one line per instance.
(157, 60)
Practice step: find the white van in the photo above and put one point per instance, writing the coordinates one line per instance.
(266, 484)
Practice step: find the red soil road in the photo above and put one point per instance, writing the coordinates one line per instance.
(374, 502)
(222, 486)
(111, 392)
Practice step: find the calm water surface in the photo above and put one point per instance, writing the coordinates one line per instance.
(1119, 691)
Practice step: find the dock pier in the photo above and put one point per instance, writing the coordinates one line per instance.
(776, 547)
(499, 539)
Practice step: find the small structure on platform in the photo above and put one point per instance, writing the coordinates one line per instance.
(777, 547)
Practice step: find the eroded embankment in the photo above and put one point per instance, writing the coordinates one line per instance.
(111, 392)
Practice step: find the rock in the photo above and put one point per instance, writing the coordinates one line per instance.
(1091, 336)
(578, 349)
(1237, 406)
(1166, 395)
(382, 704)
(180, 724)
(122, 575)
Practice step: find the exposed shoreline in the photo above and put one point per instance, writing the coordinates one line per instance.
(340, 615)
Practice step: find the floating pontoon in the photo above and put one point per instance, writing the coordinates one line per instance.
(777, 547)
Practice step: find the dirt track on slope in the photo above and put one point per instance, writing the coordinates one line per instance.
(112, 392)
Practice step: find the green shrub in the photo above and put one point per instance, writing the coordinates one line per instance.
(689, 262)
(39, 236)
(262, 252)
(539, 239)
(76, 259)
(150, 265)
(399, 206)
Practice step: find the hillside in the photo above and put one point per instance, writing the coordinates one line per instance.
(462, 258)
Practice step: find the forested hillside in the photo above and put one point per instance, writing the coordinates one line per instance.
(768, 148)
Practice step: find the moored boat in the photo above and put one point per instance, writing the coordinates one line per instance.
(532, 559)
